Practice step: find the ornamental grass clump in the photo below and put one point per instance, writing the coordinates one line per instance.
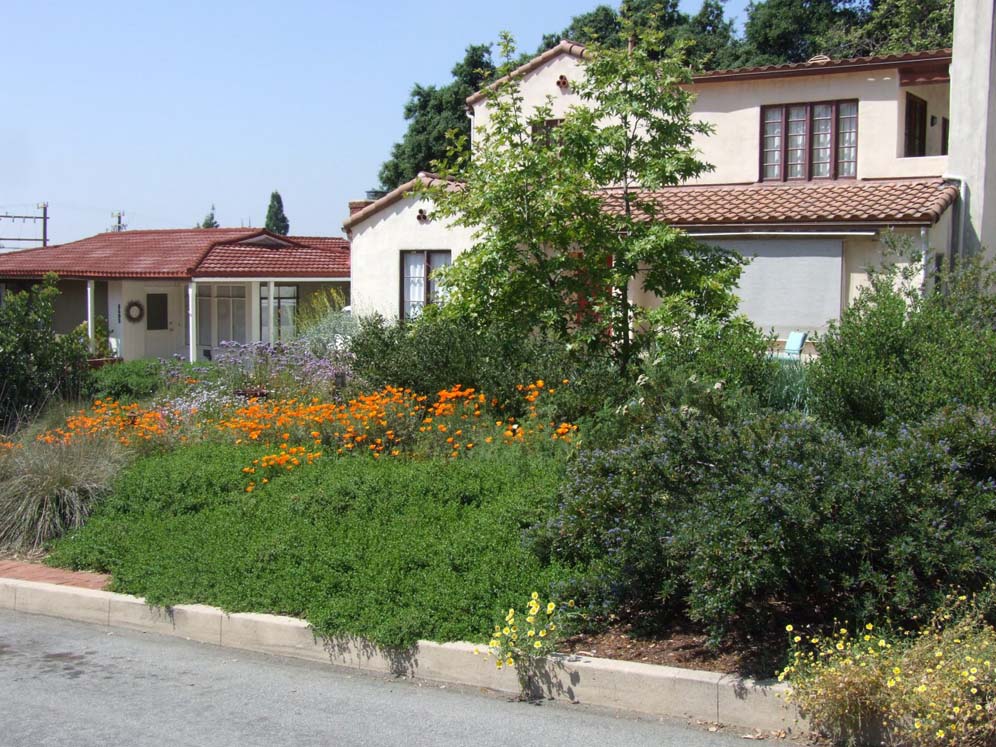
(522, 638)
(48, 489)
(933, 688)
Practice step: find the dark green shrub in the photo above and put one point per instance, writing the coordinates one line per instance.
(749, 525)
(390, 550)
(897, 355)
(35, 364)
(130, 380)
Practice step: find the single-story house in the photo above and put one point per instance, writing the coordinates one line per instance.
(183, 291)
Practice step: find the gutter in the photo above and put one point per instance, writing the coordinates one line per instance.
(791, 234)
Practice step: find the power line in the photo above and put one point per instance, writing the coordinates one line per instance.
(43, 206)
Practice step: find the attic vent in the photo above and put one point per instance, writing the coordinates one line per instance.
(562, 83)
(819, 58)
(422, 217)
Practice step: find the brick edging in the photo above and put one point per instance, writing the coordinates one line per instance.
(621, 685)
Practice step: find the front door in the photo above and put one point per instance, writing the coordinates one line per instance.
(164, 321)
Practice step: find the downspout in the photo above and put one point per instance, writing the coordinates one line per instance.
(958, 227)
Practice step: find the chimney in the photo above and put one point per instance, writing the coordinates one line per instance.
(973, 125)
(356, 206)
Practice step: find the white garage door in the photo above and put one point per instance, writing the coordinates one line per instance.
(791, 284)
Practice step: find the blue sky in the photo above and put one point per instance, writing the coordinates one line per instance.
(162, 108)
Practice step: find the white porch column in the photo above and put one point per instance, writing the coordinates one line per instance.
(272, 310)
(91, 311)
(255, 325)
(192, 321)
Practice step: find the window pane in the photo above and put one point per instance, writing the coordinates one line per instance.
(264, 319)
(156, 312)
(286, 291)
(238, 291)
(413, 283)
(847, 139)
(204, 291)
(224, 319)
(223, 291)
(771, 143)
(204, 321)
(436, 260)
(239, 320)
(286, 316)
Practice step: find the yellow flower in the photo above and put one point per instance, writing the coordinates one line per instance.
(531, 633)
(510, 661)
(530, 619)
(570, 602)
(550, 608)
(505, 630)
(869, 626)
(537, 645)
(535, 595)
(543, 635)
(789, 628)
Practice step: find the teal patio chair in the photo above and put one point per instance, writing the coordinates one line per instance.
(793, 347)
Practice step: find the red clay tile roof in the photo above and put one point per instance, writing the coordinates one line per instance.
(171, 253)
(317, 256)
(818, 66)
(882, 203)
(564, 47)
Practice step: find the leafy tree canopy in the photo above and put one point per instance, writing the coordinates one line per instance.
(432, 112)
(276, 220)
(547, 253)
(892, 27)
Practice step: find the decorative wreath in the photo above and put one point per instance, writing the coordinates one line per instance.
(134, 311)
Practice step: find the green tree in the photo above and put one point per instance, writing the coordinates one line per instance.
(276, 221)
(548, 253)
(36, 365)
(712, 42)
(892, 27)
(431, 113)
(209, 220)
(779, 31)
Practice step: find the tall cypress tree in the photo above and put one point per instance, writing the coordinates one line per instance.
(276, 221)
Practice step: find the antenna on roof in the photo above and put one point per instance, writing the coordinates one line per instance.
(119, 226)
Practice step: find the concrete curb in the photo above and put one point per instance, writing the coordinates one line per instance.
(621, 685)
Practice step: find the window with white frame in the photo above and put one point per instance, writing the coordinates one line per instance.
(419, 287)
(221, 314)
(284, 309)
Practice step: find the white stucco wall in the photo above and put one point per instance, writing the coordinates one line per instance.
(973, 120)
(375, 252)
(734, 110)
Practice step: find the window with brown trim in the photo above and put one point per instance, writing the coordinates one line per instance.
(418, 286)
(543, 130)
(916, 127)
(809, 141)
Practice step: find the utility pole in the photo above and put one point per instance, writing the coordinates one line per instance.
(119, 226)
(43, 206)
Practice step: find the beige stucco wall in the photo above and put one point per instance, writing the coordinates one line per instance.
(734, 111)
(973, 120)
(375, 252)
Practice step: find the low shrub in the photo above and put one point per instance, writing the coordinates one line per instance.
(49, 489)
(934, 688)
(898, 354)
(386, 549)
(743, 525)
(129, 381)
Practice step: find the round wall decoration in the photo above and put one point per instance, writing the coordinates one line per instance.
(134, 311)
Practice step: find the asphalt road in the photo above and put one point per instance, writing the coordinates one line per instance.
(66, 683)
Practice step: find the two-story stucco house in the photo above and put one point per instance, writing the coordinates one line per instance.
(813, 163)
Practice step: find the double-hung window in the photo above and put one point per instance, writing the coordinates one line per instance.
(418, 286)
(800, 142)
